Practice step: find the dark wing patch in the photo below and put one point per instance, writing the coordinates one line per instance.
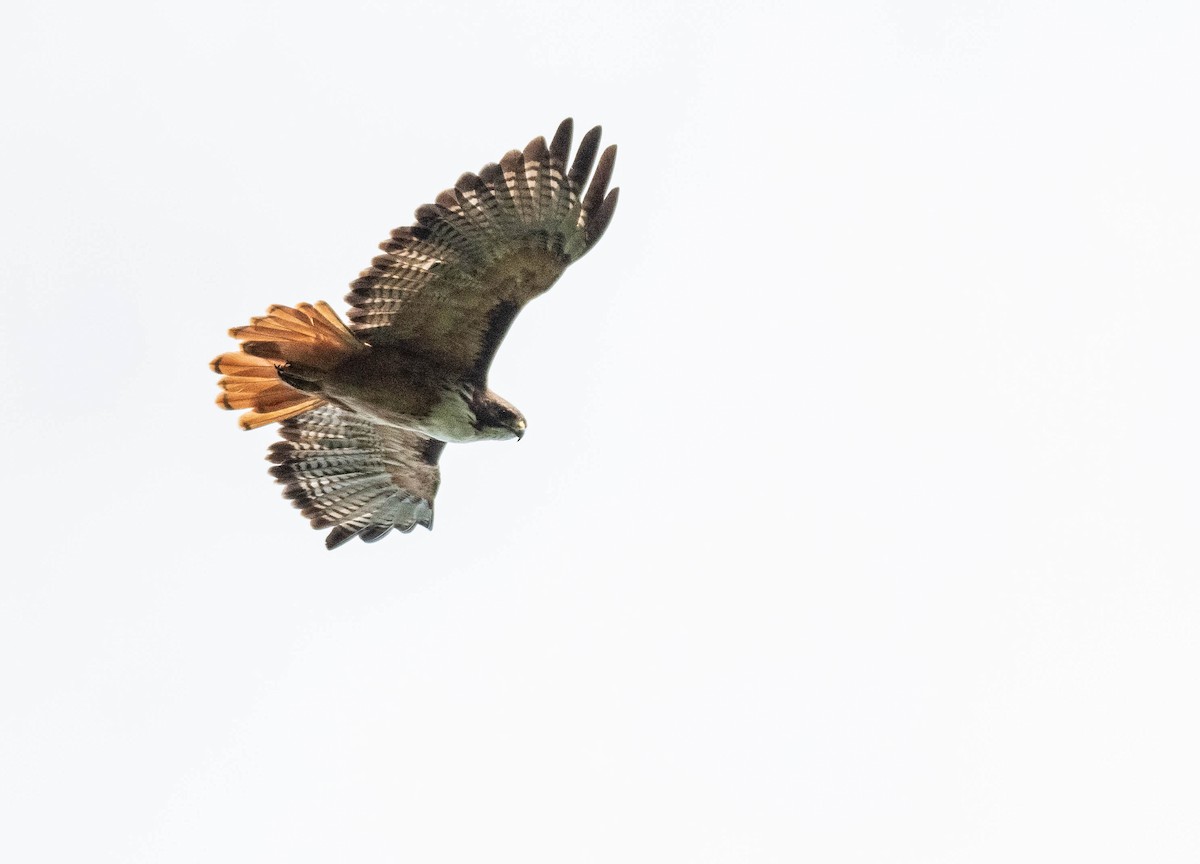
(499, 319)
(355, 477)
(451, 285)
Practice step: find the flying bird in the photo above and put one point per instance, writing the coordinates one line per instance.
(366, 408)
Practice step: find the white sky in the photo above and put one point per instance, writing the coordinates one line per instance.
(857, 518)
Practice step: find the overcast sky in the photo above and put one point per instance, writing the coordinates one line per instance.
(857, 516)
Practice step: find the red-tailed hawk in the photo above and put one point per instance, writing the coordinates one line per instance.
(366, 410)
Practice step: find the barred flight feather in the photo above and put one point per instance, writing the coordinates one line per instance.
(360, 478)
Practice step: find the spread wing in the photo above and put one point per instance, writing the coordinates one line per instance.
(451, 285)
(354, 476)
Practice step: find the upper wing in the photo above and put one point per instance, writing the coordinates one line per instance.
(450, 285)
(354, 476)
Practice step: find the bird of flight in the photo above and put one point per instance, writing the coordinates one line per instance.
(366, 409)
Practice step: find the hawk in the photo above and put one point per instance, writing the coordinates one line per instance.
(365, 409)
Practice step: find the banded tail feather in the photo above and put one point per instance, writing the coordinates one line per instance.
(254, 383)
(307, 337)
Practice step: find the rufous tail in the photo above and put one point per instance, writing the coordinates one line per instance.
(309, 336)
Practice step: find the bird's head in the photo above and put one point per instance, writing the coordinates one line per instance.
(497, 419)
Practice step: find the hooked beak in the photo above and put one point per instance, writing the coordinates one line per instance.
(519, 429)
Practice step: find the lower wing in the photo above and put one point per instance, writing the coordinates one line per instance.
(356, 477)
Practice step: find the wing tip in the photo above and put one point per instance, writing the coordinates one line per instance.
(598, 222)
(340, 536)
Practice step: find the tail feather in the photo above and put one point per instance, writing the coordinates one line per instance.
(253, 383)
(266, 399)
(254, 420)
(308, 335)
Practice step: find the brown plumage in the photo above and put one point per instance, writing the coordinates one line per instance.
(367, 409)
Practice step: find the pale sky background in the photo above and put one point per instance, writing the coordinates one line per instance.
(856, 520)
